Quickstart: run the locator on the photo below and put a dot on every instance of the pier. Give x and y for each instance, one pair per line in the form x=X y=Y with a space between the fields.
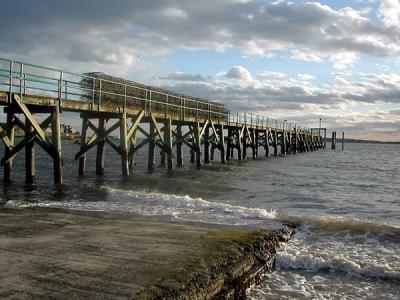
x=167 y=121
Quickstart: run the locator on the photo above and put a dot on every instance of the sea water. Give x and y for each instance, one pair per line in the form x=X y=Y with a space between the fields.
x=345 y=204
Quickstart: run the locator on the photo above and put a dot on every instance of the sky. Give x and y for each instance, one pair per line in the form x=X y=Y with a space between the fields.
x=294 y=60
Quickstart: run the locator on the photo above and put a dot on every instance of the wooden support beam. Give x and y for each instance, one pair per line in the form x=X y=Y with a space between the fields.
x=82 y=158
x=152 y=145
x=244 y=142
x=239 y=144
x=283 y=143
x=275 y=135
x=99 y=136
x=101 y=147
x=31 y=137
x=266 y=142
x=343 y=140
x=17 y=101
x=222 y=144
x=30 y=172
x=56 y=142
x=168 y=144
x=197 y=144
x=229 y=145
x=206 y=133
x=123 y=135
x=135 y=124
x=9 y=143
x=254 y=143
x=133 y=142
x=333 y=142
x=179 y=138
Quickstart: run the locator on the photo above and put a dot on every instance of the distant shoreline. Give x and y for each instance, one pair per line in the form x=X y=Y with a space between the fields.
x=339 y=140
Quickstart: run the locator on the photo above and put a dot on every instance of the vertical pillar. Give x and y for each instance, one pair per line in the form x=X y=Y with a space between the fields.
x=325 y=138
x=197 y=144
x=275 y=143
x=56 y=141
x=29 y=155
x=152 y=146
x=222 y=144
x=333 y=142
x=229 y=145
x=168 y=144
x=254 y=144
x=343 y=140
x=132 y=143
x=82 y=159
x=206 y=145
x=283 y=143
x=244 y=143
x=179 y=156
x=100 y=149
x=162 y=156
x=124 y=145
x=295 y=140
x=266 y=142
x=239 y=144
x=10 y=134
x=192 y=158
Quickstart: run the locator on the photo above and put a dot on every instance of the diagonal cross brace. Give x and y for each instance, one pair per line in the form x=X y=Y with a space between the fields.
x=30 y=137
x=96 y=138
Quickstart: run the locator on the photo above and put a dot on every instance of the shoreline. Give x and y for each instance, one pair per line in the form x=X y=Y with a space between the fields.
x=63 y=254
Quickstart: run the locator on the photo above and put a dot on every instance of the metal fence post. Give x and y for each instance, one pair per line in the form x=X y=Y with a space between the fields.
x=10 y=87
x=21 y=75
x=124 y=98
x=98 y=106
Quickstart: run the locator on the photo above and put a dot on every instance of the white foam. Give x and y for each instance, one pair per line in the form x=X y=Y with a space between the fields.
x=367 y=257
x=178 y=206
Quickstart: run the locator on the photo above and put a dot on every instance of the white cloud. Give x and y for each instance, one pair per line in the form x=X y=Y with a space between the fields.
x=306 y=54
x=174 y=12
x=305 y=77
x=240 y=73
x=390 y=12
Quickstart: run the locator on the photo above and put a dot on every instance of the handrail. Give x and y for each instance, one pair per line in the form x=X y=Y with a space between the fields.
x=69 y=86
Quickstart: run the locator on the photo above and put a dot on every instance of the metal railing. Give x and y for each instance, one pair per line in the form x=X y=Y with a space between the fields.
x=24 y=78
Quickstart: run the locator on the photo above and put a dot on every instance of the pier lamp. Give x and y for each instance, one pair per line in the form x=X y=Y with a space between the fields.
x=319 y=129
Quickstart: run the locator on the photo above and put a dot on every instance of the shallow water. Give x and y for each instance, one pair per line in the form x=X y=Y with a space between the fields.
x=346 y=205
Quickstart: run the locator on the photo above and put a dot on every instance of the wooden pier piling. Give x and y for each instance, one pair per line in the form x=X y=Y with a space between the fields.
x=179 y=154
x=10 y=135
x=100 y=159
x=30 y=171
x=56 y=141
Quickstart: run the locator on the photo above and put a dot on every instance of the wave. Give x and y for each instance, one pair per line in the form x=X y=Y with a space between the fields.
x=154 y=203
x=311 y=263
